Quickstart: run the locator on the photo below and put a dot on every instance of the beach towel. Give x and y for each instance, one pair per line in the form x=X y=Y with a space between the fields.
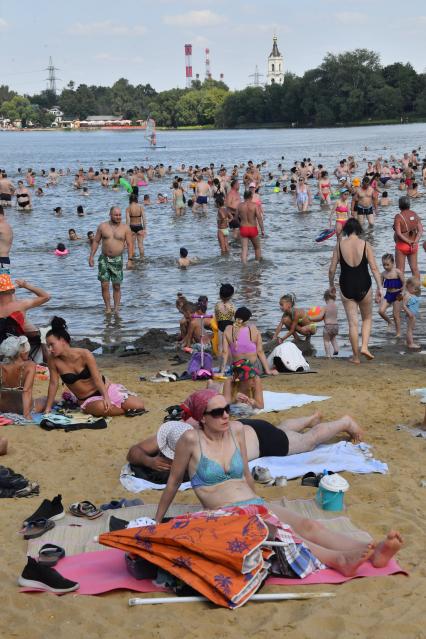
x=100 y=572
x=420 y=392
x=284 y=401
x=355 y=458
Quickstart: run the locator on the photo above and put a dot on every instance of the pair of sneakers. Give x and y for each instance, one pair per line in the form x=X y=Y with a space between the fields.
x=263 y=476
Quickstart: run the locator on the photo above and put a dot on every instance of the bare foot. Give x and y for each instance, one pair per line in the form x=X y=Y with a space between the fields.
x=386 y=549
x=3 y=446
x=349 y=561
x=354 y=429
x=414 y=346
x=354 y=360
x=367 y=354
x=397 y=334
x=315 y=418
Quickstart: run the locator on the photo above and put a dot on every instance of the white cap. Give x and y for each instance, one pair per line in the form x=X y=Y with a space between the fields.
x=335 y=483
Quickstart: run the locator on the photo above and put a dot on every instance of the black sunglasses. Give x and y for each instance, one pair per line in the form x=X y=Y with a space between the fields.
x=218 y=412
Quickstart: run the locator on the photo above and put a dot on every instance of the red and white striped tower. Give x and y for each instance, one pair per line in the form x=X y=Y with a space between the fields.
x=188 y=65
x=208 y=72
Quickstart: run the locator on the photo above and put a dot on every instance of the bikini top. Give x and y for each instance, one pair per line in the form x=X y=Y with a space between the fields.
x=72 y=378
x=209 y=472
x=395 y=283
x=243 y=343
x=342 y=208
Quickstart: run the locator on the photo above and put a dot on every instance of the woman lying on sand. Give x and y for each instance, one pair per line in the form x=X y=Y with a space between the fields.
x=215 y=457
x=79 y=372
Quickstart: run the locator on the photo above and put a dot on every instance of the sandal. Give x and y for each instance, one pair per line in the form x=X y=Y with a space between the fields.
x=37 y=528
x=50 y=554
x=134 y=412
x=311 y=479
x=85 y=509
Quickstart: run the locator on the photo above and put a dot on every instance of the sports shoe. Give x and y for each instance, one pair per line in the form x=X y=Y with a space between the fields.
x=42 y=577
x=52 y=510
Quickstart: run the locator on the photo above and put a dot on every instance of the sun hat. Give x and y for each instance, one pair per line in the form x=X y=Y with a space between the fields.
x=344 y=191
x=6 y=283
x=356 y=181
x=12 y=346
x=342 y=179
x=168 y=436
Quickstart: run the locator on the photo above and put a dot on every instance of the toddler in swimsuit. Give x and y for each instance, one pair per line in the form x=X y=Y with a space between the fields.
x=296 y=320
x=393 y=282
x=411 y=305
x=331 y=327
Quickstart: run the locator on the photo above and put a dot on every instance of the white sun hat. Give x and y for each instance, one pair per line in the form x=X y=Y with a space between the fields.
x=168 y=436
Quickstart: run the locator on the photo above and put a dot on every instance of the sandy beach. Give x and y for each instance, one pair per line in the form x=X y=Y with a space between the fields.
x=86 y=465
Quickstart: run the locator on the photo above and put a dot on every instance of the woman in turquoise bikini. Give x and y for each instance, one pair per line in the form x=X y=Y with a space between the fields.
x=216 y=460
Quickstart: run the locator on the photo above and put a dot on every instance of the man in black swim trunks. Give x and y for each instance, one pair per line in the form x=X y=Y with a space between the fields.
x=6 y=239
x=364 y=202
x=151 y=459
x=6 y=190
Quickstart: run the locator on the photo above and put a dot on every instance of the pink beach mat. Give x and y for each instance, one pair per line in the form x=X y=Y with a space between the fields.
x=99 y=572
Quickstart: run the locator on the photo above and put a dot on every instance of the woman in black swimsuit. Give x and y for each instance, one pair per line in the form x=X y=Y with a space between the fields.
x=355 y=256
x=79 y=372
x=23 y=198
x=135 y=218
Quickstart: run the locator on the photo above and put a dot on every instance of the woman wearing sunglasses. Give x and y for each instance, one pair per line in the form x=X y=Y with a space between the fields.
x=215 y=457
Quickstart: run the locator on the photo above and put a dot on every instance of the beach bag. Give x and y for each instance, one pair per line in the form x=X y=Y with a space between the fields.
x=201 y=366
x=287 y=357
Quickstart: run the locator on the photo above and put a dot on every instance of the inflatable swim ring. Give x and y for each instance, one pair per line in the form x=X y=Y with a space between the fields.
x=58 y=252
x=142 y=183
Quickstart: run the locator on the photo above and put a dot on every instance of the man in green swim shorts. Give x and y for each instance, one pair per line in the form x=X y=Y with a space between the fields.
x=115 y=236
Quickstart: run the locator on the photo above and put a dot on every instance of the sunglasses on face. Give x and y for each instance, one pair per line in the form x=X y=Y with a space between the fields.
x=218 y=412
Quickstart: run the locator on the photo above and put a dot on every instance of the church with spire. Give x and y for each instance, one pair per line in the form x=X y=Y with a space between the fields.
x=275 y=74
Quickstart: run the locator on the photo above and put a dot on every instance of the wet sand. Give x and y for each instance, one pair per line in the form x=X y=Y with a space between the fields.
x=86 y=465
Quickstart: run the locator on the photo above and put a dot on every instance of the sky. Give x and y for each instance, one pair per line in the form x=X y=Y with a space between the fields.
x=99 y=42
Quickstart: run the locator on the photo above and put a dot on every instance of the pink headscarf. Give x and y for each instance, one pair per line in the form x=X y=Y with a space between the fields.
x=195 y=405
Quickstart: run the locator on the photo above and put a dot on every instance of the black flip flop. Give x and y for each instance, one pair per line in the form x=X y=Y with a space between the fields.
x=37 y=528
x=311 y=479
x=50 y=554
x=134 y=412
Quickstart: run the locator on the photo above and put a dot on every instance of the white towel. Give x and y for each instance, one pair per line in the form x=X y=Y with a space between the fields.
x=336 y=457
x=283 y=401
x=421 y=392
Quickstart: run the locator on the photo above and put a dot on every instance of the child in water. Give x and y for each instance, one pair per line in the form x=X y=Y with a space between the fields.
x=411 y=304
x=331 y=327
x=393 y=282
x=184 y=260
x=296 y=320
x=61 y=249
x=224 y=311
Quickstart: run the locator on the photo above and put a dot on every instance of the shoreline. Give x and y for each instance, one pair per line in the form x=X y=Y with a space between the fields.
x=210 y=127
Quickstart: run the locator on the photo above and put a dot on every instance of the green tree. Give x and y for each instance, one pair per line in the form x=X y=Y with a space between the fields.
x=19 y=108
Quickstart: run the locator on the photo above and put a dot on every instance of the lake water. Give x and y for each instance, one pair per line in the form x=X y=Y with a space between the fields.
x=292 y=260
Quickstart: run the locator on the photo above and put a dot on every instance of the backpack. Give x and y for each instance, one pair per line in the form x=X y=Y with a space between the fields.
x=287 y=357
x=200 y=366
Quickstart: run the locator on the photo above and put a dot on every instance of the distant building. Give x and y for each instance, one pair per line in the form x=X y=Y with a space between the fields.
x=275 y=74
x=103 y=120
x=58 y=115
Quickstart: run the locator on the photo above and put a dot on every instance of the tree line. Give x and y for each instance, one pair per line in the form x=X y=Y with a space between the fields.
x=346 y=88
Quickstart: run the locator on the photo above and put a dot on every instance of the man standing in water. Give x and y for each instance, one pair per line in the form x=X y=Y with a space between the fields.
x=364 y=202
x=6 y=190
x=114 y=236
x=6 y=239
x=250 y=217
x=202 y=191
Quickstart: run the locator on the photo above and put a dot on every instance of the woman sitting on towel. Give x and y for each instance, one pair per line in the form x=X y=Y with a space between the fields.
x=17 y=374
x=215 y=457
x=243 y=343
x=79 y=372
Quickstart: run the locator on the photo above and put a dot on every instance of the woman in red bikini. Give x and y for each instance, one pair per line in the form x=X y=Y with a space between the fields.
x=408 y=231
